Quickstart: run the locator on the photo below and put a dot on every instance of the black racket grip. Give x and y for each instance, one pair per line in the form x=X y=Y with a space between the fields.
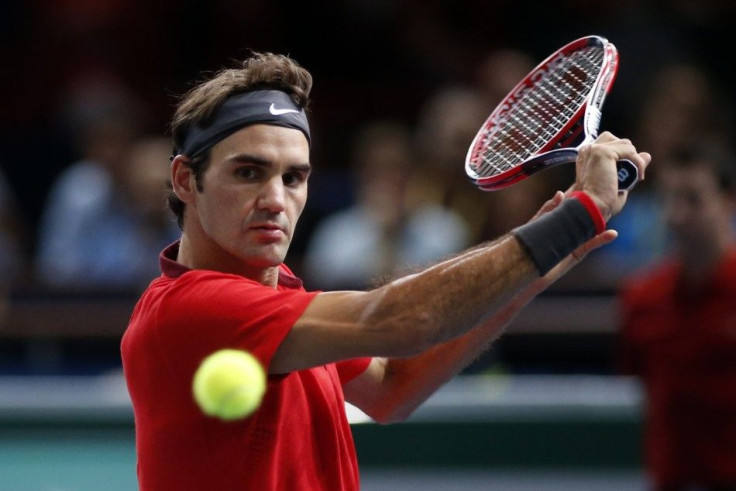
x=628 y=174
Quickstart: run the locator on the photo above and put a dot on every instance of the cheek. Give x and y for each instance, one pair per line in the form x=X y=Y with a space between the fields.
x=223 y=211
x=298 y=202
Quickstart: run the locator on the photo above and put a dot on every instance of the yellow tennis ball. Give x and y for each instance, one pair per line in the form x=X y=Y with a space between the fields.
x=229 y=384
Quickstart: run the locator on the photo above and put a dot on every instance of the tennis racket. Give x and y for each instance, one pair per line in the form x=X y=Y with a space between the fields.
x=545 y=119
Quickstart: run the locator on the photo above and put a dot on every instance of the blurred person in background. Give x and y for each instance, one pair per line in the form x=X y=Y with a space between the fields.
x=383 y=229
x=77 y=234
x=679 y=327
x=499 y=72
x=104 y=216
x=447 y=123
x=680 y=103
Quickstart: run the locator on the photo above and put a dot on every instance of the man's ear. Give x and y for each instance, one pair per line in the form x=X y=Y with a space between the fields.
x=182 y=178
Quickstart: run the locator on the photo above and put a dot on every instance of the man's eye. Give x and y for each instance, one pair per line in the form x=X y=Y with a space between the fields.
x=294 y=178
x=247 y=172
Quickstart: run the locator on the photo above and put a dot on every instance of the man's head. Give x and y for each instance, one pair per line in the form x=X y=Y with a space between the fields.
x=239 y=179
x=198 y=108
x=698 y=185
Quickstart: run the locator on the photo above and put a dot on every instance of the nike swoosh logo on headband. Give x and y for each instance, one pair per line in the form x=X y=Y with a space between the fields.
x=278 y=112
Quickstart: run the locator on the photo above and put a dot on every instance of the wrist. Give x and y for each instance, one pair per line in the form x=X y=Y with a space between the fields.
x=593 y=207
x=552 y=236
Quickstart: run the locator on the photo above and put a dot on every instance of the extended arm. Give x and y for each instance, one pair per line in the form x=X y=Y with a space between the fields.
x=413 y=314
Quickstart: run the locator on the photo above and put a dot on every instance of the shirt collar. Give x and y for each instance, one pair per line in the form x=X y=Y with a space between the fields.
x=173 y=269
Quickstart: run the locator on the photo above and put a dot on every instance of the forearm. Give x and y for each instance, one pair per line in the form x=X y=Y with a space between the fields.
x=408 y=382
x=451 y=298
x=457 y=295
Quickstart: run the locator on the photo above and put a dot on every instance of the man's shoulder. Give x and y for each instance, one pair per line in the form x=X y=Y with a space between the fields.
x=190 y=297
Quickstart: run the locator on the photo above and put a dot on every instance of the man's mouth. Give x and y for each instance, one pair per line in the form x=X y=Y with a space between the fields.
x=268 y=230
x=267 y=226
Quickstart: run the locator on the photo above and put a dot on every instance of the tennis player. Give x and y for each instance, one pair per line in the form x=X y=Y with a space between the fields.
x=239 y=177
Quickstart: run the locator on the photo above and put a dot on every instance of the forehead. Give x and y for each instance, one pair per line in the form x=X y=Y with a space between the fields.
x=270 y=142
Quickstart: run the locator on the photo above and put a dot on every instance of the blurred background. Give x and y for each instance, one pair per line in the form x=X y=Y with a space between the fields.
x=400 y=88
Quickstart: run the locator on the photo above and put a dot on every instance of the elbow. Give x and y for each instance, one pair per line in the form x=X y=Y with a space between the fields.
x=391 y=415
x=414 y=337
x=387 y=394
x=383 y=421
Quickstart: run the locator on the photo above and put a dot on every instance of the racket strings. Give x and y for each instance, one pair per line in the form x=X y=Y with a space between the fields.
x=541 y=113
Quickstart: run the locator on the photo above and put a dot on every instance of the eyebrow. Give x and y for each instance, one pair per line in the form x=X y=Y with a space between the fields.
x=246 y=158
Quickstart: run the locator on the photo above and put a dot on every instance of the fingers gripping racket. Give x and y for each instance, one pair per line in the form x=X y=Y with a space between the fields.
x=545 y=119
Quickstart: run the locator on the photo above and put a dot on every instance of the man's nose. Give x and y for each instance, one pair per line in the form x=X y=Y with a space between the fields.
x=272 y=195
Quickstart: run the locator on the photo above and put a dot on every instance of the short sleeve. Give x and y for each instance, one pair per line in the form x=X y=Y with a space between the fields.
x=349 y=369
x=205 y=311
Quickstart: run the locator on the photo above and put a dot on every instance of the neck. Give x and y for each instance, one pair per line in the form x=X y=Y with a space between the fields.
x=196 y=254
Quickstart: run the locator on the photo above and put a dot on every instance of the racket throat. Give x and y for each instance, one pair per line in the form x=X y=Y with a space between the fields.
x=529 y=167
x=573 y=137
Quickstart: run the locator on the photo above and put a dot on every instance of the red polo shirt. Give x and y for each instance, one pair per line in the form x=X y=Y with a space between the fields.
x=298 y=439
x=682 y=343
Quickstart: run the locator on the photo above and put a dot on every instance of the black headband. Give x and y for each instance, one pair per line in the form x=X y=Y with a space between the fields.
x=259 y=106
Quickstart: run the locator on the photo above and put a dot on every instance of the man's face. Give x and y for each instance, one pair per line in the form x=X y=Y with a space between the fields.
x=696 y=208
x=253 y=192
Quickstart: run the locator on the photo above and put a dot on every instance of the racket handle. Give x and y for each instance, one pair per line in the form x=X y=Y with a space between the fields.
x=628 y=174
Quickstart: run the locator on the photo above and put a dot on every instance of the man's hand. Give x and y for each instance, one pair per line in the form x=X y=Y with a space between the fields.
x=596 y=171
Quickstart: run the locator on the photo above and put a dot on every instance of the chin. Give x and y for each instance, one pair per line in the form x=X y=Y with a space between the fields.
x=268 y=260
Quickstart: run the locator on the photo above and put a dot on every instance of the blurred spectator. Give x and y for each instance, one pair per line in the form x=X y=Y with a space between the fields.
x=681 y=104
x=383 y=230
x=499 y=72
x=106 y=218
x=679 y=327
x=447 y=124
